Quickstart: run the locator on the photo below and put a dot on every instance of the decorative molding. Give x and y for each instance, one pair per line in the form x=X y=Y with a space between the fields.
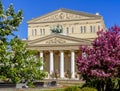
x=62 y=16
x=55 y=48
x=55 y=41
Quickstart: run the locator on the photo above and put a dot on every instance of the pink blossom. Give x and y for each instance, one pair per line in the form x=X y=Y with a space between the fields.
x=103 y=59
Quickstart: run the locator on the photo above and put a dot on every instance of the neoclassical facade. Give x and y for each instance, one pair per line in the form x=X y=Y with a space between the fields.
x=59 y=50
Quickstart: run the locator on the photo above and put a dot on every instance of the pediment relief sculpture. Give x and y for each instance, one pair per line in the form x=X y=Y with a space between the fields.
x=55 y=41
x=62 y=16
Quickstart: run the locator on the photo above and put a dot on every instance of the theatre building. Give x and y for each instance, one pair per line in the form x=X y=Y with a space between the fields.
x=58 y=35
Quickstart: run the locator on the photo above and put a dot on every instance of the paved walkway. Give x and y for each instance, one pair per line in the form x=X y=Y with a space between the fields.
x=60 y=84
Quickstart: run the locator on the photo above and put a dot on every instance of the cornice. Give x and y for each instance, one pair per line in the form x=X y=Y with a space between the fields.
x=58 y=36
x=65 y=20
x=61 y=45
x=66 y=11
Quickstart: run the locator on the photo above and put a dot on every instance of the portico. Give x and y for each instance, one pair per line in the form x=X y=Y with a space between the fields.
x=58 y=53
x=61 y=63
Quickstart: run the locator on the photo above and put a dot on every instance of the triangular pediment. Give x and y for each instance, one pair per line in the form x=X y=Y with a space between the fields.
x=57 y=39
x=63 y=15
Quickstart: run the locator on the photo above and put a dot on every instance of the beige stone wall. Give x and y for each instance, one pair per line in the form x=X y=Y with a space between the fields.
x=76 y=25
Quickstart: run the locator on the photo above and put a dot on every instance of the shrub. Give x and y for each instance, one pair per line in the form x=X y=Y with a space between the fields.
x=73 y=88
x=88 y=89
x=30 y=84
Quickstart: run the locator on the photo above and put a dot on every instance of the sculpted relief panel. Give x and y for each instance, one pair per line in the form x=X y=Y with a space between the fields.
x=55 y=41
x=62 y=16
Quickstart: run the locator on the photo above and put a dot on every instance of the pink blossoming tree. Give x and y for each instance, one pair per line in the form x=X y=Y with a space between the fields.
x=101 y=65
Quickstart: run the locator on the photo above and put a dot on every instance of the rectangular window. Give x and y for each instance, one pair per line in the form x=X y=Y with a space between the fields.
x=40 y=31
x=67 y=30
x=98 y=27
x=81 y=29
x=94 y=29
x=72 y=29
x=91 y=29
x=35 y=32
x=84 y=29
x=43 y=31
x=32 y=32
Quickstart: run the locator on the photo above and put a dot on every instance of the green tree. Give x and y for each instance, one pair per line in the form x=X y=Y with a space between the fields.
x=17 y=63
x=9 y=21
x=24 y=65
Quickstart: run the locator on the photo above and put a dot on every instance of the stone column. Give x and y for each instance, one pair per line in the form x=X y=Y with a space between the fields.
x=84 y=55
x=72 y=64
x=51 y=63
x=61 y=64
x=41 y=56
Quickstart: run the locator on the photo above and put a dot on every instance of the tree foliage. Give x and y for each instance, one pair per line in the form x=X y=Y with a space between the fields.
x=17 y=63
x=24 y=65
x=101 y=65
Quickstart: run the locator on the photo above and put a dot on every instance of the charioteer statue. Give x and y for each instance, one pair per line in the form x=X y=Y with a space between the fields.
x=57 y=29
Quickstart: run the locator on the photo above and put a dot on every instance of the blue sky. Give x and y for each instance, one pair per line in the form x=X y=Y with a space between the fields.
x=109 y=9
